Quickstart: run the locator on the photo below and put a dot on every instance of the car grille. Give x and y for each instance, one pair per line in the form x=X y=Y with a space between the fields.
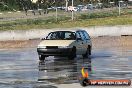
x=51 y=47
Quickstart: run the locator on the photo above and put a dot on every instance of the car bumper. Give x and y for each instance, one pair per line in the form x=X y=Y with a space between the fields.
x=55 y=52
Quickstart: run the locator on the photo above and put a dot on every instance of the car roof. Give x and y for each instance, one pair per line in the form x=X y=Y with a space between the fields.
x=69 y=30
x=63 y=31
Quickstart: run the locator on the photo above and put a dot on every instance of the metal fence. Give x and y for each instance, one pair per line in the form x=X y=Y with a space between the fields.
x=57 y=12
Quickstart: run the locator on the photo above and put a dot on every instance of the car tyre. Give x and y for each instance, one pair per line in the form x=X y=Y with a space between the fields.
x=88 y=52
x=41 y=57
x=73 y=53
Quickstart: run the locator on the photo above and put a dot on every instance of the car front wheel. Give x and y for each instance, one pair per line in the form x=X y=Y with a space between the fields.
x=88 y=52
x=41 y=57
x=73 y=53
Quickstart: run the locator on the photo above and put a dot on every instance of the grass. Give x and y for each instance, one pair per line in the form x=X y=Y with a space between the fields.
x=83 y=20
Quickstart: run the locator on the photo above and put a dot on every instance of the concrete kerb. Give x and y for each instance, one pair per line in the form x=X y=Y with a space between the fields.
x=39 y=33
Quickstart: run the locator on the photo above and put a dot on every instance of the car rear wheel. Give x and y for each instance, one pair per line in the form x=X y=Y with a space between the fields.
x=88 y=52
x=41 y=57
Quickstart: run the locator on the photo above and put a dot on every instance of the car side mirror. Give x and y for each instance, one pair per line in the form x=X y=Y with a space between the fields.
x=79 y=39
x=43 y=39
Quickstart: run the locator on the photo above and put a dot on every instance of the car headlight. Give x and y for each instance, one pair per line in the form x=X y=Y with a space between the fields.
x=41 y=46
x=63 y=47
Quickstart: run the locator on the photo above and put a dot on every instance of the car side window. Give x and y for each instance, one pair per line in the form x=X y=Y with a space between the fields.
x=82 y=36
x=78 y=35
x=87 y=35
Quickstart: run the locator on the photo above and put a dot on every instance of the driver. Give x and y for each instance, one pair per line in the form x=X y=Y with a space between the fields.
x=72 y=36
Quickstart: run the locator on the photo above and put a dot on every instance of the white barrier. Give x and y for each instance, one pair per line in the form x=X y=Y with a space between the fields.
x=39 y=33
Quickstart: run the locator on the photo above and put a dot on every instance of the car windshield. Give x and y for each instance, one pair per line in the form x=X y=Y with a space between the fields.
x=61 y=35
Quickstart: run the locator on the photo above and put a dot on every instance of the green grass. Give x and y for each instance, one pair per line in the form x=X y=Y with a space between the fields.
x=83 y=20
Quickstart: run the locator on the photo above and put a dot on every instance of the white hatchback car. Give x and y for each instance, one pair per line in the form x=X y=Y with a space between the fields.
x=65 y=43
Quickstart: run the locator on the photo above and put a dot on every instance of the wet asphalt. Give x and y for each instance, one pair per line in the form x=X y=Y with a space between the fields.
x=20 y=67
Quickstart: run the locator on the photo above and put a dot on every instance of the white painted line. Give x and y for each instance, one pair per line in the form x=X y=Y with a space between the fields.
x=40 y=9
x=18 y=11
x=9 y=12
x=30 y=10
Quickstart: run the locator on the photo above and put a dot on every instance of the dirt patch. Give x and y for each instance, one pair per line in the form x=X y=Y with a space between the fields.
x=120 y=42
x=18 y=44
x=124 y=42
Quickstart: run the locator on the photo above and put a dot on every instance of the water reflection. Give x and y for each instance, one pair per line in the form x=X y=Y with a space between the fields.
x=63 y=70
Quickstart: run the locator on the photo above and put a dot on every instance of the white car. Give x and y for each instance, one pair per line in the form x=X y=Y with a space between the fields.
x=71 y=8
x=65 y=43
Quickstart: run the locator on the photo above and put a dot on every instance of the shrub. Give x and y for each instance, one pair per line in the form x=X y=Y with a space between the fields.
x=98 y=15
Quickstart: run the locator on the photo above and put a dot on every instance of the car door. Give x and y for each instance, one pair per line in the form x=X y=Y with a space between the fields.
x=79 y=43
x=84 y=42
x=87 y=38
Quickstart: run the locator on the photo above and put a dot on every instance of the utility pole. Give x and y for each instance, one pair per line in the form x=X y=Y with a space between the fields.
x=66 y=5
x=120 y=7
x=56 y=14
x=56 y=11
x=72 y=10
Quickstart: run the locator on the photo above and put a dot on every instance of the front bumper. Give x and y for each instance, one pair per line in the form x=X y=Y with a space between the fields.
x=55 y=52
